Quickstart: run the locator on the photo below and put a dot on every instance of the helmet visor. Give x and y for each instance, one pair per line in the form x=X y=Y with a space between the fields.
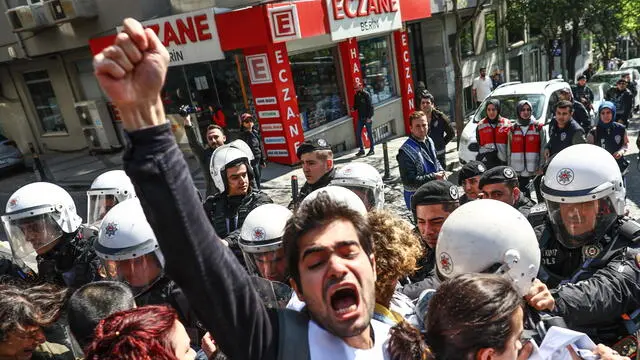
x=36 y=233
x=366 y=194
x=270 y=265
x=98 y=205
x=583 y=223
x=139 y=273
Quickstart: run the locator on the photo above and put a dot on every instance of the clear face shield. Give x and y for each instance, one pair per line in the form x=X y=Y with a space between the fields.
x=270 y=265
x=99 y=202
x=139 y=273
x=579 y=224
x=367 y=194
x=31 y=231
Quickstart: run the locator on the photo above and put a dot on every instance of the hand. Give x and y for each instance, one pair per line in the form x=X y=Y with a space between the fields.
x=440 y=175
x=539 y=297
x=617 y=155
x=526 y=351
x=131 y=72
x=225 y=242
x=263 y=165
x=187 y=120
x=208 y=345
x=607 y=353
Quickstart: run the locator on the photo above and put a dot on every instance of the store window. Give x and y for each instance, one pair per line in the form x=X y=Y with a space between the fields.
x=45 y=101
x=491 y=30
x=469 y=104
x=466 y=40
x=318 y=85
x=377 y=68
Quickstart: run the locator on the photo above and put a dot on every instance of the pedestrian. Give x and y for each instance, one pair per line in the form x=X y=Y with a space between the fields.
x=469 y=180
x=250 y=135
x=492 y=135
x=317 y=165
x=589 y=72
x=215 y=138
x=580 y=113
x=440 y=130
x=588 y=245
x=501 y=183
x=525 y=147
x=623 y=100
x=363 y=105
x=417 y=157
x=610 y=135
x=496 y=79
x=482 y=87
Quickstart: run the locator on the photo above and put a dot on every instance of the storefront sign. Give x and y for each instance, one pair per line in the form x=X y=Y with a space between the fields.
x=352 y=18
x=275 y=140
x=269 y=114
x=401 y=40
x=258 y=66
x=277 y=153
x=271 y=127
x=190 y=37
x=269 y=100
x=284 y=23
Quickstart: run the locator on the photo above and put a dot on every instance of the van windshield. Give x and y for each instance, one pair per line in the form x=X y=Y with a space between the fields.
x=508 y=105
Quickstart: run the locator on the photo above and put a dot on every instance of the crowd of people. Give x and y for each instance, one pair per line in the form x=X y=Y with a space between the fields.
x=157 y=272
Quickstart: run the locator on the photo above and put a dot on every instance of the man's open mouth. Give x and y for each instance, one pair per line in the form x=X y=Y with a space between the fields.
x=344 y=301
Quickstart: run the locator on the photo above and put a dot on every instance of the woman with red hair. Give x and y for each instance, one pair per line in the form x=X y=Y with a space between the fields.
x=148 y=332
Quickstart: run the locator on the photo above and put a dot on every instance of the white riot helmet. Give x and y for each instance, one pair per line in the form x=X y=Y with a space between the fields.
x=503 y=243
x=364 y=180
x=241 y=145
x=36 y=216
x=222 y=158
x=585 y=194
x=128 y=247
x=339 y=194
x=107 y=190
x=261 y=241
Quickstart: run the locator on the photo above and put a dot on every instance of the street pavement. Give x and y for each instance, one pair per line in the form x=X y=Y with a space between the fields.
x=75 y=172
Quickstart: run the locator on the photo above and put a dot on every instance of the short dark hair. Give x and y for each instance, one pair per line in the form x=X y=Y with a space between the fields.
x=316 y=214
x=565 y=104
x=22 y=306
x=427 y=95
x=471 y=312
x=94 y=302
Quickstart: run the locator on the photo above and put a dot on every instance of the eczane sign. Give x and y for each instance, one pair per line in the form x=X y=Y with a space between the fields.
x=190 y=37
x=353 y=18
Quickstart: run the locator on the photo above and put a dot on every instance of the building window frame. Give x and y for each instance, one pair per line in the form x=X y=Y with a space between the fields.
x=491 y=31
x=40 y=109
x=467 y=45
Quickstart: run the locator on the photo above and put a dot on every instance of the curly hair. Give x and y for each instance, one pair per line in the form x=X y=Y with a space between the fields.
x=406 y=343
x=22 y=306
x=142 y=333
x=397 y=252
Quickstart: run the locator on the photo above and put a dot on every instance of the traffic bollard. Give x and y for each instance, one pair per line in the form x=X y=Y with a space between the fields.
x=385 y=153
x=37 y=163
x=294 y=190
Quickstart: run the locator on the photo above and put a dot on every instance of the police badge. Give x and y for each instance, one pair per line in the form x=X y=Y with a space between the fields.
x=563 y=135
x=618 y=138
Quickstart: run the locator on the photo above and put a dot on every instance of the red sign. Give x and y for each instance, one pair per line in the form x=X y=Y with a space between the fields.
x=275 y=100
x=350 y=54
x=401 y=39
x=284 y=23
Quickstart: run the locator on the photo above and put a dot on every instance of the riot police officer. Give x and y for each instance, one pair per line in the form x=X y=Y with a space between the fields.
x=236 y=196
x=610 y=135
x=501 y=183
x=129 y=253
x=107 y=190
x=585 y=244
x=469 y=179
x=364 y=180
x=41 y=218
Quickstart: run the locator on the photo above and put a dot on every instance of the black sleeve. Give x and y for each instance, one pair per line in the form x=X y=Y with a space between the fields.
x=608 y=294
x=408 y=172
x=448 y=129
x=582 y=117
x=218 y=288
x=628 y=106
x=414 y=290
x=589 y=94
x=369 y=105
x=578 y=137
x=196 y=147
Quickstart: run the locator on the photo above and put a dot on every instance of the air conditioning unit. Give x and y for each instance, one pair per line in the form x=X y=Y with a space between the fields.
x=97 y=125
x=68 y=10
x=29 y=17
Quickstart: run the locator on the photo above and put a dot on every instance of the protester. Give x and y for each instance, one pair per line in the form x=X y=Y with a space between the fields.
x=148 y=332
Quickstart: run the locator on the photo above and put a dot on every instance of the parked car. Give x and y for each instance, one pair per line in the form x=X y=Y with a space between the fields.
x=599 y=90
x=612 y=77
x=631 y=63
x=542 y=96
x=10 y=156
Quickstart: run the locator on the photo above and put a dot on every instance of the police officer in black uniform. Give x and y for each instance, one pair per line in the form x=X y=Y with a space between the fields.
x=587 y=244
x=431 y=205
x=610 y=135
x=236 y=197
x=583 y=93
x=580 y=113
x=564 y=131
x=469 y=179
x=317 y=164
x=623 y=100
x=41 y=219
x=501 y=183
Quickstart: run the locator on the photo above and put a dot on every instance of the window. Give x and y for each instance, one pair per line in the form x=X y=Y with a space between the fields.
x=491 y=30
x=377 y=68
x=468 y=99
x=515 y=68
x=318 y=85
x=515 y=34
x=466 y=40
x=44 y=101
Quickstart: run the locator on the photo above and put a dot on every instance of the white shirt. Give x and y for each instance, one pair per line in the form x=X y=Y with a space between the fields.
x=483 y=87
x=295 y=303
x=326 y=346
